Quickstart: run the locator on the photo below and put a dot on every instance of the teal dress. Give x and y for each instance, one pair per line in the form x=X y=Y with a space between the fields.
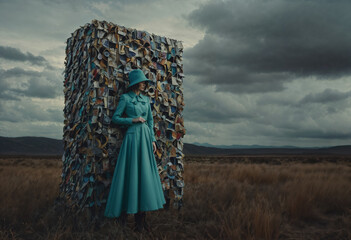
x=136 y=184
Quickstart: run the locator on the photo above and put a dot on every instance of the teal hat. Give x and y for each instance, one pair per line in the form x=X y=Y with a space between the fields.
x=136 y=76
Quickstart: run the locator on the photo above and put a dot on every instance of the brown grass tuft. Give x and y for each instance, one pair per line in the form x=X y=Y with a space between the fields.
x=222 y=201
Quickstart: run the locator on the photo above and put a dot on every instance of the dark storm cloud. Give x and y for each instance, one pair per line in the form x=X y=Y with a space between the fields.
x=328 y=95
x=39 y=88
x=14 y=54
x=214 y=112
x=18 y=82
x=29 y=111
x=319 y=134
x=202 y=105
x=256 y=46
x=77 y=2
x=17 y=72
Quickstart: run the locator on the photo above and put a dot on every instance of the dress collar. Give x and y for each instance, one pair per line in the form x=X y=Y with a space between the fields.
x=135 y=97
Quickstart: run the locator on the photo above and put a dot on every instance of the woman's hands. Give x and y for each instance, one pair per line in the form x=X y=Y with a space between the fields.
x=154 y=146
x=138 y=119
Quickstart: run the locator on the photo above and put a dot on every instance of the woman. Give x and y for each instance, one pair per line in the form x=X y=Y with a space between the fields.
x=136 y=185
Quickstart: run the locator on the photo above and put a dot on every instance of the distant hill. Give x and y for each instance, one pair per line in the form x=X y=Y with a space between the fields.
x=244 y=146
x=201 y=150
x=49 y=146
x=30 y=146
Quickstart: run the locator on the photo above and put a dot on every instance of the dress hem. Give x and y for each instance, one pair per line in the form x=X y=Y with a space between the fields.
x=141 y=210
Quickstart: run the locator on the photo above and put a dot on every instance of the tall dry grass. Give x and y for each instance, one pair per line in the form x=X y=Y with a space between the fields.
x=222 y=201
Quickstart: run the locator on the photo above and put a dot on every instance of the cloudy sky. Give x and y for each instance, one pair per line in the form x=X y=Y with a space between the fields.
x=256 y=71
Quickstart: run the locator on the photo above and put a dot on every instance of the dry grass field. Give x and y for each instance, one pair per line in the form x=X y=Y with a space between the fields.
x=269 y=197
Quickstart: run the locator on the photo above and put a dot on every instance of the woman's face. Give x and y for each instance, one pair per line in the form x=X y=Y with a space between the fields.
x=142 y=86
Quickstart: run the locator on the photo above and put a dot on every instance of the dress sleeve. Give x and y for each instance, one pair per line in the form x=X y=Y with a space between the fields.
x=117 y=116
x=150 y=122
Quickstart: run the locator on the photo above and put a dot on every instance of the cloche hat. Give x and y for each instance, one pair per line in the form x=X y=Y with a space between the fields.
x=136 y=76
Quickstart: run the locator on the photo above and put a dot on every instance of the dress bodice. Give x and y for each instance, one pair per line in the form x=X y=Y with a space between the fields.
x=137 y=105
x=134 y=106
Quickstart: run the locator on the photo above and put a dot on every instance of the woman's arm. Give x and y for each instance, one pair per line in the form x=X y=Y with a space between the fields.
x=117 y=116
x=150 y=122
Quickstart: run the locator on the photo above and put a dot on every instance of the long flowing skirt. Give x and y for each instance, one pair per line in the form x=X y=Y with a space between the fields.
x=136 y=184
